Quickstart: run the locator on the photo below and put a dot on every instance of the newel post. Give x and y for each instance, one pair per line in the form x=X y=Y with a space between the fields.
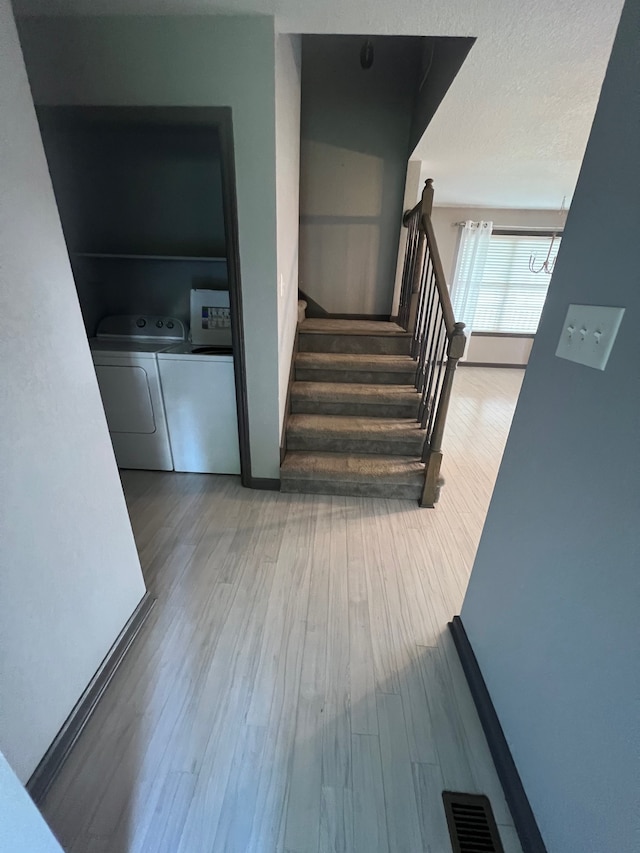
x=433 y=482
x=427 y=197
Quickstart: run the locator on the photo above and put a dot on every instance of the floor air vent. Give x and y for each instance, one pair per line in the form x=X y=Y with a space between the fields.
x=472 y=826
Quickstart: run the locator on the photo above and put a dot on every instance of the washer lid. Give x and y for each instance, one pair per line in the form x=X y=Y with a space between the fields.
x=186 y=349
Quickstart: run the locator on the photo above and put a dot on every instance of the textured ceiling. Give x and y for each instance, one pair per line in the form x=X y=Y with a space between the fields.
x=512 y=129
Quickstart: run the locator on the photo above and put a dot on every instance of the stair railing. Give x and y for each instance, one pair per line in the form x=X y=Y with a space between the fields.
x=437 y=341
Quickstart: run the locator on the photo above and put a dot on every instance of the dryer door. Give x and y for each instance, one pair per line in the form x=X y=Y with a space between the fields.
x=126 y=398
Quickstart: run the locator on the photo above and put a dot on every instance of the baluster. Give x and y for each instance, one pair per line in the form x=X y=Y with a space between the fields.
x=428 y=396
x=411 y=220
x=433 y=455
x=430 y=336
x=424 y=341
x=428 y=319
x=416 y=282
x=412 y=246
x=438 y=383
x=408 y=256
x=422 y=302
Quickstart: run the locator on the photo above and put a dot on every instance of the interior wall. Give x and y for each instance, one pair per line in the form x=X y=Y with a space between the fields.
x=440 y=62
x=287 y=74
x=22 y=826
x=486 y=349
x=412 y=191
x=191 y=61
x=142 y=287
x=160 y=193
x=495 y=350
x=552 y=604
x=135 y=187
x=355 y=144
x=70 y=571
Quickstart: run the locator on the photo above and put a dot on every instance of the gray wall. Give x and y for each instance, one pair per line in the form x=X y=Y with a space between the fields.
x=116 y=286
x=191 y=61
x=69 y=572
x=440 y=62
x=144 y=189
x=135 y=187
x=355 y=144
x=412 y=190
x=287 y=72
x=552 y=605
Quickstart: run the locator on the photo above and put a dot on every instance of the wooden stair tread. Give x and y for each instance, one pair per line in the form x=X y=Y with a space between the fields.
x=356 y=427
x=355 y=361
x=351 y=327
x=364 y=468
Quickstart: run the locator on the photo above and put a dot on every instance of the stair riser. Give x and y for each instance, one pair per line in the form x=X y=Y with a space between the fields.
x=366 y=490
x=366 y=377
x=366 y=410
x=322 y=444
x=354 y=344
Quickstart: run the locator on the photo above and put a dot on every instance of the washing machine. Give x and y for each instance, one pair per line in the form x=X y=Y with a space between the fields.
x=124 y=354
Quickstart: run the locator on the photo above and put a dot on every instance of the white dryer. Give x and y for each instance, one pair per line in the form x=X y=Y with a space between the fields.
x=124 y=356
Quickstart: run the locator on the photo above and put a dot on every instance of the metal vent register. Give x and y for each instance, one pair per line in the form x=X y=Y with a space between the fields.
x=472 y=826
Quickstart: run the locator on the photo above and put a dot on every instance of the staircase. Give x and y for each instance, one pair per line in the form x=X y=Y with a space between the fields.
x=369 y=401
x=353 y=427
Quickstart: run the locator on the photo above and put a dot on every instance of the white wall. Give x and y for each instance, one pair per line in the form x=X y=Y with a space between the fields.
x=287 y=75
x=191 y=61
x=495 y=350
x=552 y=605
x=486 y=349
x=22 y=829
x=69 y=572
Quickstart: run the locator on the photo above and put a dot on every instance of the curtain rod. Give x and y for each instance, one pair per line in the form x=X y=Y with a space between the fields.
x=541 y=229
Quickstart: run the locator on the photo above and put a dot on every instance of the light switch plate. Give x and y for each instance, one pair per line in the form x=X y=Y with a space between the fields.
x=588 y=334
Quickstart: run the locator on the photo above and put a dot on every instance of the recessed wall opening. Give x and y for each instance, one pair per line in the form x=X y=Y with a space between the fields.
x=147 y=203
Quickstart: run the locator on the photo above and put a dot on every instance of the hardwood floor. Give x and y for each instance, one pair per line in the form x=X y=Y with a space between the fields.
x=296 y=689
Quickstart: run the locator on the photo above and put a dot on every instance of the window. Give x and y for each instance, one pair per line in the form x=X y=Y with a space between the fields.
x=511 y=297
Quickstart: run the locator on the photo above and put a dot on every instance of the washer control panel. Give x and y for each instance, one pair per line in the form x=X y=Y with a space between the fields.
x=146 y=327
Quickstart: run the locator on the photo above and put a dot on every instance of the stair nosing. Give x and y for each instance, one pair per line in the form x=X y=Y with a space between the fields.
x=302 y=389
x=408 y=472
x=411 y=424
x=354 y=334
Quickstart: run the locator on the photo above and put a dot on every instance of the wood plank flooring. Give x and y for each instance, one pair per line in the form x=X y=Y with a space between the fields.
x=295 y=689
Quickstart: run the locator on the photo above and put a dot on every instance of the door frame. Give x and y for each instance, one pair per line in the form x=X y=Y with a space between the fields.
x=220 y=119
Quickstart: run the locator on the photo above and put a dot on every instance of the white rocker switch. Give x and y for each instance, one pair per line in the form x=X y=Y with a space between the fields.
x=588 y=334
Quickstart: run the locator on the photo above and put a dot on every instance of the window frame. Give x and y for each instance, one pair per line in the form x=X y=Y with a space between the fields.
x=514 y=231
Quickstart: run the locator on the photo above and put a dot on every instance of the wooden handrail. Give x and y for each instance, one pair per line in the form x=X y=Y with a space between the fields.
x=443 y=290
x=438 y=342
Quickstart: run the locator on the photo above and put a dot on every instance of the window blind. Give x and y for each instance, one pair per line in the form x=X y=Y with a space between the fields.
x=511 y=296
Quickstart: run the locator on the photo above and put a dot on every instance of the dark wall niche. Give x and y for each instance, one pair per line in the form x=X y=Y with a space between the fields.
x=140 y=200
